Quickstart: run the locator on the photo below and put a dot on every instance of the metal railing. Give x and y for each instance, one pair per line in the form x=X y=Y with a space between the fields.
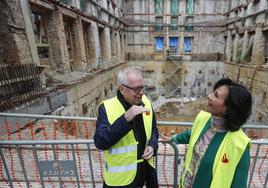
x=259 y=145
x=57 y=170
x=69 y=161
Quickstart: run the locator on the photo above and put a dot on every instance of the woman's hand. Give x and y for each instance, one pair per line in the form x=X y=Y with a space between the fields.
x=165 y=138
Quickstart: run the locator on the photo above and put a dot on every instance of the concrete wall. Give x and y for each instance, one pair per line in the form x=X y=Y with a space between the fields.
x=199 y=77
x=14 y=46
x=255 y=79
x=70 y=34
x=205 y=40
x=196 y=79
x=91 y=92
x=246 y=37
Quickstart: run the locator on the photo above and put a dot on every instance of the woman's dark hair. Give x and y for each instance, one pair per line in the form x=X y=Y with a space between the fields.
x=238 y=104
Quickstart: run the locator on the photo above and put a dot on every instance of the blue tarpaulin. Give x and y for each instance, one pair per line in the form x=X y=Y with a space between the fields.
x=159 y=43
x=173 y=43
x=187 y=44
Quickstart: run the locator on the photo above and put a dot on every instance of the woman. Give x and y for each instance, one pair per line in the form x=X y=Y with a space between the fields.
x=218 y=151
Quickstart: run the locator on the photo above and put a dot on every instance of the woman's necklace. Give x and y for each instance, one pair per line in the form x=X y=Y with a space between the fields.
x=217 y=124
x=213 y=128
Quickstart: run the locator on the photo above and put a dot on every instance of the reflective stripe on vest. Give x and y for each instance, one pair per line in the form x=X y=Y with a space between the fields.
x=121 y=168
x=234 y=143
x=121 y=159
x=123 y=149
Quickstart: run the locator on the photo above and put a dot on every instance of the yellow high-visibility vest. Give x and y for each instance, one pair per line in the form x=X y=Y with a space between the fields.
x=227 y=157
x=121 y=159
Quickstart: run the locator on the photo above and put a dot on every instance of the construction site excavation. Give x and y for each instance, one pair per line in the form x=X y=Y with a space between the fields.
x=59 y=62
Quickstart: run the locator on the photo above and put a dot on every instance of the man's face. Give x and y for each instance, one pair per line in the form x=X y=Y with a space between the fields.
x=133 y=90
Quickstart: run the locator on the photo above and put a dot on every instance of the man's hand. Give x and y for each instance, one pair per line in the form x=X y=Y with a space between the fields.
x=148 y=153
x=133 y=111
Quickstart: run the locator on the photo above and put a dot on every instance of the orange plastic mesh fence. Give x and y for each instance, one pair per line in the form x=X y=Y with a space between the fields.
x=88 y=161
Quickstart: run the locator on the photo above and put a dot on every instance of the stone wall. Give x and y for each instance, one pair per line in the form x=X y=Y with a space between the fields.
x=14 y=46
x=254 y=78
x=85 y=97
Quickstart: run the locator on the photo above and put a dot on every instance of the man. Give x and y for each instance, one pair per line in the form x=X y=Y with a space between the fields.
x=126 y=131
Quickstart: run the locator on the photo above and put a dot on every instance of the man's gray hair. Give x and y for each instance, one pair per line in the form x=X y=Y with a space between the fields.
x=122 y=77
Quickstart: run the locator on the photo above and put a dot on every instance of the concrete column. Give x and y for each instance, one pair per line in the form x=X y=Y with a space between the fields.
x=79 y=45
x=29 y=30
x=242 y=12
x=110 y=8
x=113 y=44
x=94 y=44
x=166 y=8
x=245 y=46
x=123 y=52
x=181 y=48
x=107 y=46
x=228 y=50
x=58 y=53
x=119 y=47
x=258 y=49
x=236 y=45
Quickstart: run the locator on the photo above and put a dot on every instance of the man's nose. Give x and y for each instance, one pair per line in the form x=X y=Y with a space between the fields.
x=141 y=92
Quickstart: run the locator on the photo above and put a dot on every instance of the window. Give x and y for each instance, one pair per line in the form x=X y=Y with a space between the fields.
x=83 y=5
x=69 y=2
x=159 y=23
x=99 y=12
x=108 y=5
x=174 y=24
x=173 y=45
x=253 y=19
x=189 y=24
x=174 y=6
x=159 y=7
x=187 y=44
x=229 y=6
x=159 y=44
x=266 y=46
x=190 y=7
x=39 y=28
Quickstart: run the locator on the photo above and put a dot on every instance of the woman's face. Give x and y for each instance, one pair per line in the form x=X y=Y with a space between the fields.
x=216 y=101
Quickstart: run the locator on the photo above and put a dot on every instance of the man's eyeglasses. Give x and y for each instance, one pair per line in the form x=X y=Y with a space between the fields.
x=137 y=90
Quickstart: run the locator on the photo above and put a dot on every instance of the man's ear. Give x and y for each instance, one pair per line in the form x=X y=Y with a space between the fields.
x=121 y=89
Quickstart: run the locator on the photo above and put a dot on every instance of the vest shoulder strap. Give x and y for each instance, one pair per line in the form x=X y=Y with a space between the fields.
x=227 y=158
